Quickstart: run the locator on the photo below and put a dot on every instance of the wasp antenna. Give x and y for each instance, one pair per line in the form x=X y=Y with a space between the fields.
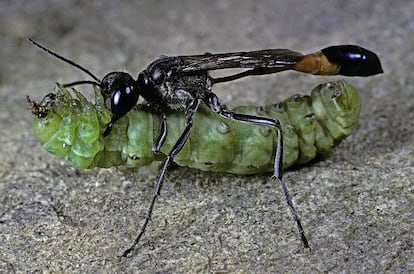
x=81 y=83
x=64 y=60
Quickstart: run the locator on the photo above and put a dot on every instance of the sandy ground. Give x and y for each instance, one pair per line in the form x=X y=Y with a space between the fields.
x=356 y=205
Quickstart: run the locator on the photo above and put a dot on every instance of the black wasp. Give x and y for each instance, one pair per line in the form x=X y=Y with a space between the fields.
x=183 y=82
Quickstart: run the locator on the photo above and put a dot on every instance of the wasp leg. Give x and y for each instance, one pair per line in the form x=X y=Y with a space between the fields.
x=214 y=104
x=162 y=135
x=190 y=110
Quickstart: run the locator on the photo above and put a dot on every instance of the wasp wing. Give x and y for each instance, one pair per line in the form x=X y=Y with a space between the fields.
x=266 y=59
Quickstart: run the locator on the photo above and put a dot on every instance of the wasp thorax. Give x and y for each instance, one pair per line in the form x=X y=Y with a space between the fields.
x=157 y=76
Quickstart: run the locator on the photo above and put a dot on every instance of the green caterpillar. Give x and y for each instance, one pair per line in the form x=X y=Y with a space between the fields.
x=69 y=126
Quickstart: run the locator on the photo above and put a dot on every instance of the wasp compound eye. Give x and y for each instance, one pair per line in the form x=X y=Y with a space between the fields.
x=121 y=94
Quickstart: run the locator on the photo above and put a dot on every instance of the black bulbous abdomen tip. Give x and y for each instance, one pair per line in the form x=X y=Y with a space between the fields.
x=353 y=60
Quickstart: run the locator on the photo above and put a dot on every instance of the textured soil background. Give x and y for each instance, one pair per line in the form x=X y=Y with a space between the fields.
x=356 y=205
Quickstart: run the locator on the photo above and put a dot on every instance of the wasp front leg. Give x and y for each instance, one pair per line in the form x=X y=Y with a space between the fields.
x=162 y=136
x=191 y=108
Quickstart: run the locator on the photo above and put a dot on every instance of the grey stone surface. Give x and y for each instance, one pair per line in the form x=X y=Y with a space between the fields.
x=356 y=205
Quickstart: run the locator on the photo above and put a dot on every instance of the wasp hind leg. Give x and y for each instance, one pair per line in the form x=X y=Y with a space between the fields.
x=214 y=104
